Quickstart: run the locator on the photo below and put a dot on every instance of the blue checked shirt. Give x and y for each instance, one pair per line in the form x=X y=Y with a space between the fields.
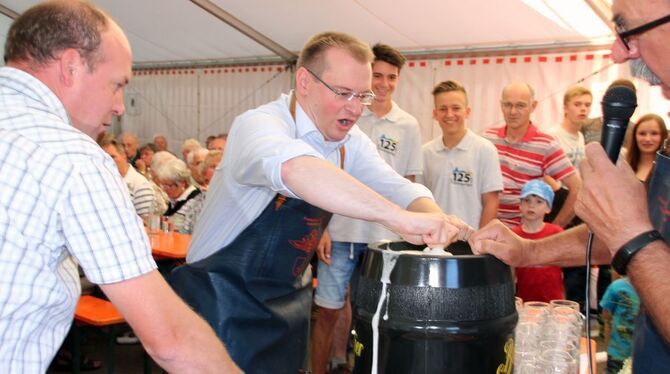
x=62 y=202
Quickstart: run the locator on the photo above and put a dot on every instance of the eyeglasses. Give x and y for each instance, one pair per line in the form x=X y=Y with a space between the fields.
x=365 y=98
x=167 y=185
x=624 y=35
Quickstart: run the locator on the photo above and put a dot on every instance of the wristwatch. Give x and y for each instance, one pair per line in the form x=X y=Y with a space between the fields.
x=626 y=253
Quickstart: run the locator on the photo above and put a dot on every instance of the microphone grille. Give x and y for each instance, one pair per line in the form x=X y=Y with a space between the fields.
x=618 y=102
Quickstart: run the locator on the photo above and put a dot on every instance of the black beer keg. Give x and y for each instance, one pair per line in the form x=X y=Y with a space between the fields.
x=451 y=314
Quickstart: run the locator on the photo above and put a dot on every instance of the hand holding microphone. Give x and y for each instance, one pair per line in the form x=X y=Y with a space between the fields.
x=612 y=200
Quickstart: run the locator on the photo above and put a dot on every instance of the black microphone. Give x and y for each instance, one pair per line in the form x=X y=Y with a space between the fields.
x=618 y=105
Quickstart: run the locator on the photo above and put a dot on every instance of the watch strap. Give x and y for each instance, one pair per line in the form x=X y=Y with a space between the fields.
x=628 y=250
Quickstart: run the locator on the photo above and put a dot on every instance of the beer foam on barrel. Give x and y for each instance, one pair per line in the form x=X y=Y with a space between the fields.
x=390 y=257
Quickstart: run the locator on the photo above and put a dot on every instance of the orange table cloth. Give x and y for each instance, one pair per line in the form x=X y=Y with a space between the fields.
x=170 y=244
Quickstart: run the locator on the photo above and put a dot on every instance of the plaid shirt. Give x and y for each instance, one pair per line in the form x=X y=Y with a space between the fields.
x=62 y=202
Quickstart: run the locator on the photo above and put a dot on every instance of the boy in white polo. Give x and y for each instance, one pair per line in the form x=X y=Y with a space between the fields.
x=461 y=168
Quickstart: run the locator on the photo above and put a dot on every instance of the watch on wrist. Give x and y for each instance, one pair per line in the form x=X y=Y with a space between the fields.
x=628 y=250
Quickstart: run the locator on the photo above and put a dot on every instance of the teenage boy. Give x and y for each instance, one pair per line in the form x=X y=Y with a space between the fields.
x=461 y=168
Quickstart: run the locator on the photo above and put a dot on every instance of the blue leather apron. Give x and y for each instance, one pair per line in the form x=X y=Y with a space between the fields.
x=650 y=352
x=252 y=291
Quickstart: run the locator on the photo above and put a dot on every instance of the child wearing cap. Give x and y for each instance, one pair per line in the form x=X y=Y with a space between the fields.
x=538 y=283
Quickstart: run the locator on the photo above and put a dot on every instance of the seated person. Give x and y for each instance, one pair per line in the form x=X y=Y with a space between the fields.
x=143 y=164
x=188 y=146
x=195 y=160
x=140 y=189
x=210 y=165
x=175 y=179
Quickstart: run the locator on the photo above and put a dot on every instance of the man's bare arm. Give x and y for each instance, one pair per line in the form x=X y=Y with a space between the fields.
x=573 y=183
x=175 y=337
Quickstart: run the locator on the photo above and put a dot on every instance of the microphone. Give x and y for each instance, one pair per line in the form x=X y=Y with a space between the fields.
x=618 y=105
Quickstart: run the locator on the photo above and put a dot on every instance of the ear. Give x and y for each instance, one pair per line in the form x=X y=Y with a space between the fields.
x=467 y=112
x=302 y=80
x=435 y=114
x=70 y=65
x=533 y=105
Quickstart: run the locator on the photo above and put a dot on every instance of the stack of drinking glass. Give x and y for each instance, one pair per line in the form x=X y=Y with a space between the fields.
x=547 y=337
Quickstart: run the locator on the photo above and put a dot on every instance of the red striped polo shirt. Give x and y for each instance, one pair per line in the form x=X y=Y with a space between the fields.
x=535 y=155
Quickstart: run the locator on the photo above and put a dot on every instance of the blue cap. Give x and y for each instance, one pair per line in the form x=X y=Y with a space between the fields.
x=540 y=189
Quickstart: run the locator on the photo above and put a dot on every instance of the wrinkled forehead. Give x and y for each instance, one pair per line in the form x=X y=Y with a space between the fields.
x=630 y=12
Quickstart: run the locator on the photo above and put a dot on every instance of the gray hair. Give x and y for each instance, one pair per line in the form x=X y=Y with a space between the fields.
x=200 y=152
x=190 y=144
x=173 y=170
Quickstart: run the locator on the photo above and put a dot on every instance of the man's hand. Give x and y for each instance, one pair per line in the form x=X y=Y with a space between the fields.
x=612 y=201
x=497 y=239
x=433 y=229
x=324 y=247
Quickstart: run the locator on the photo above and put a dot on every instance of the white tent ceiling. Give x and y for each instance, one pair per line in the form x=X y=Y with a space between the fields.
x=179 y=32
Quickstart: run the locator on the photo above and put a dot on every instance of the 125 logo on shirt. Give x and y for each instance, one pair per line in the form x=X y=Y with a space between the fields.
x=388 y=144
x=460 y=176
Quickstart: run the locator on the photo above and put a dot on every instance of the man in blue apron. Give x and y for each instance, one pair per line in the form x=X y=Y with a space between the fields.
x=631 y=234
x=288 y=163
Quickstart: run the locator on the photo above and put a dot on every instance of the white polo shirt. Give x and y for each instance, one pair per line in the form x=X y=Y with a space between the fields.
x=458 y=177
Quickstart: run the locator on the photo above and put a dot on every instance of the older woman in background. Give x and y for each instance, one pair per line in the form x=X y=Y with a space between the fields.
x=649 y=132
x=175 y=179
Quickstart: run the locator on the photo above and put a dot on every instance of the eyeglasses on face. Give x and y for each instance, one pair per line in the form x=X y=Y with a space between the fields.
x=624 y=35
x=365 y=98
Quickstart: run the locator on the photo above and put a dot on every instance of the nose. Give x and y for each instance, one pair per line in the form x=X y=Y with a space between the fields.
x=619 y=52
x=355 y=107
x=118 y=106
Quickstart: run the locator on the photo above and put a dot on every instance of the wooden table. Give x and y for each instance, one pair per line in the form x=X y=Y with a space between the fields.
x=170 y=244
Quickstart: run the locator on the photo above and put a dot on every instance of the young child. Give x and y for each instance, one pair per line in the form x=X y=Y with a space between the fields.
x=538 y=283
x=621 y=305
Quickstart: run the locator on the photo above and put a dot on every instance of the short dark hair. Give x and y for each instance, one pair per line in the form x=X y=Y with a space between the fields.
x=41 y=32
x=450 y=86
x=623 y=82
x=389 y=55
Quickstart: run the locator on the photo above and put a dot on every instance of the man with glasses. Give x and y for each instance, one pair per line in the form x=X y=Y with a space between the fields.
x=288 y=163
x=526 y=153
x=397 y=137
x=628 y=232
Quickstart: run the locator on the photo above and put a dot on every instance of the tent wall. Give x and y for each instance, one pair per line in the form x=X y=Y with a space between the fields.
x=185 y=103
x=196 y=103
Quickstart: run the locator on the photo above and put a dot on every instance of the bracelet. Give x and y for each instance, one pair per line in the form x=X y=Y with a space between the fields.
x=628 y=250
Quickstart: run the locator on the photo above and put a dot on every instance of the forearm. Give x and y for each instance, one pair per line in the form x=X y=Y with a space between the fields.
x=324 y=185
x=567 y=212
x=567 y=248
x=175 y=337
x=646 y=271
x=490 y=202
x=195 y=348
x=573 y=183
x=424 y=205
